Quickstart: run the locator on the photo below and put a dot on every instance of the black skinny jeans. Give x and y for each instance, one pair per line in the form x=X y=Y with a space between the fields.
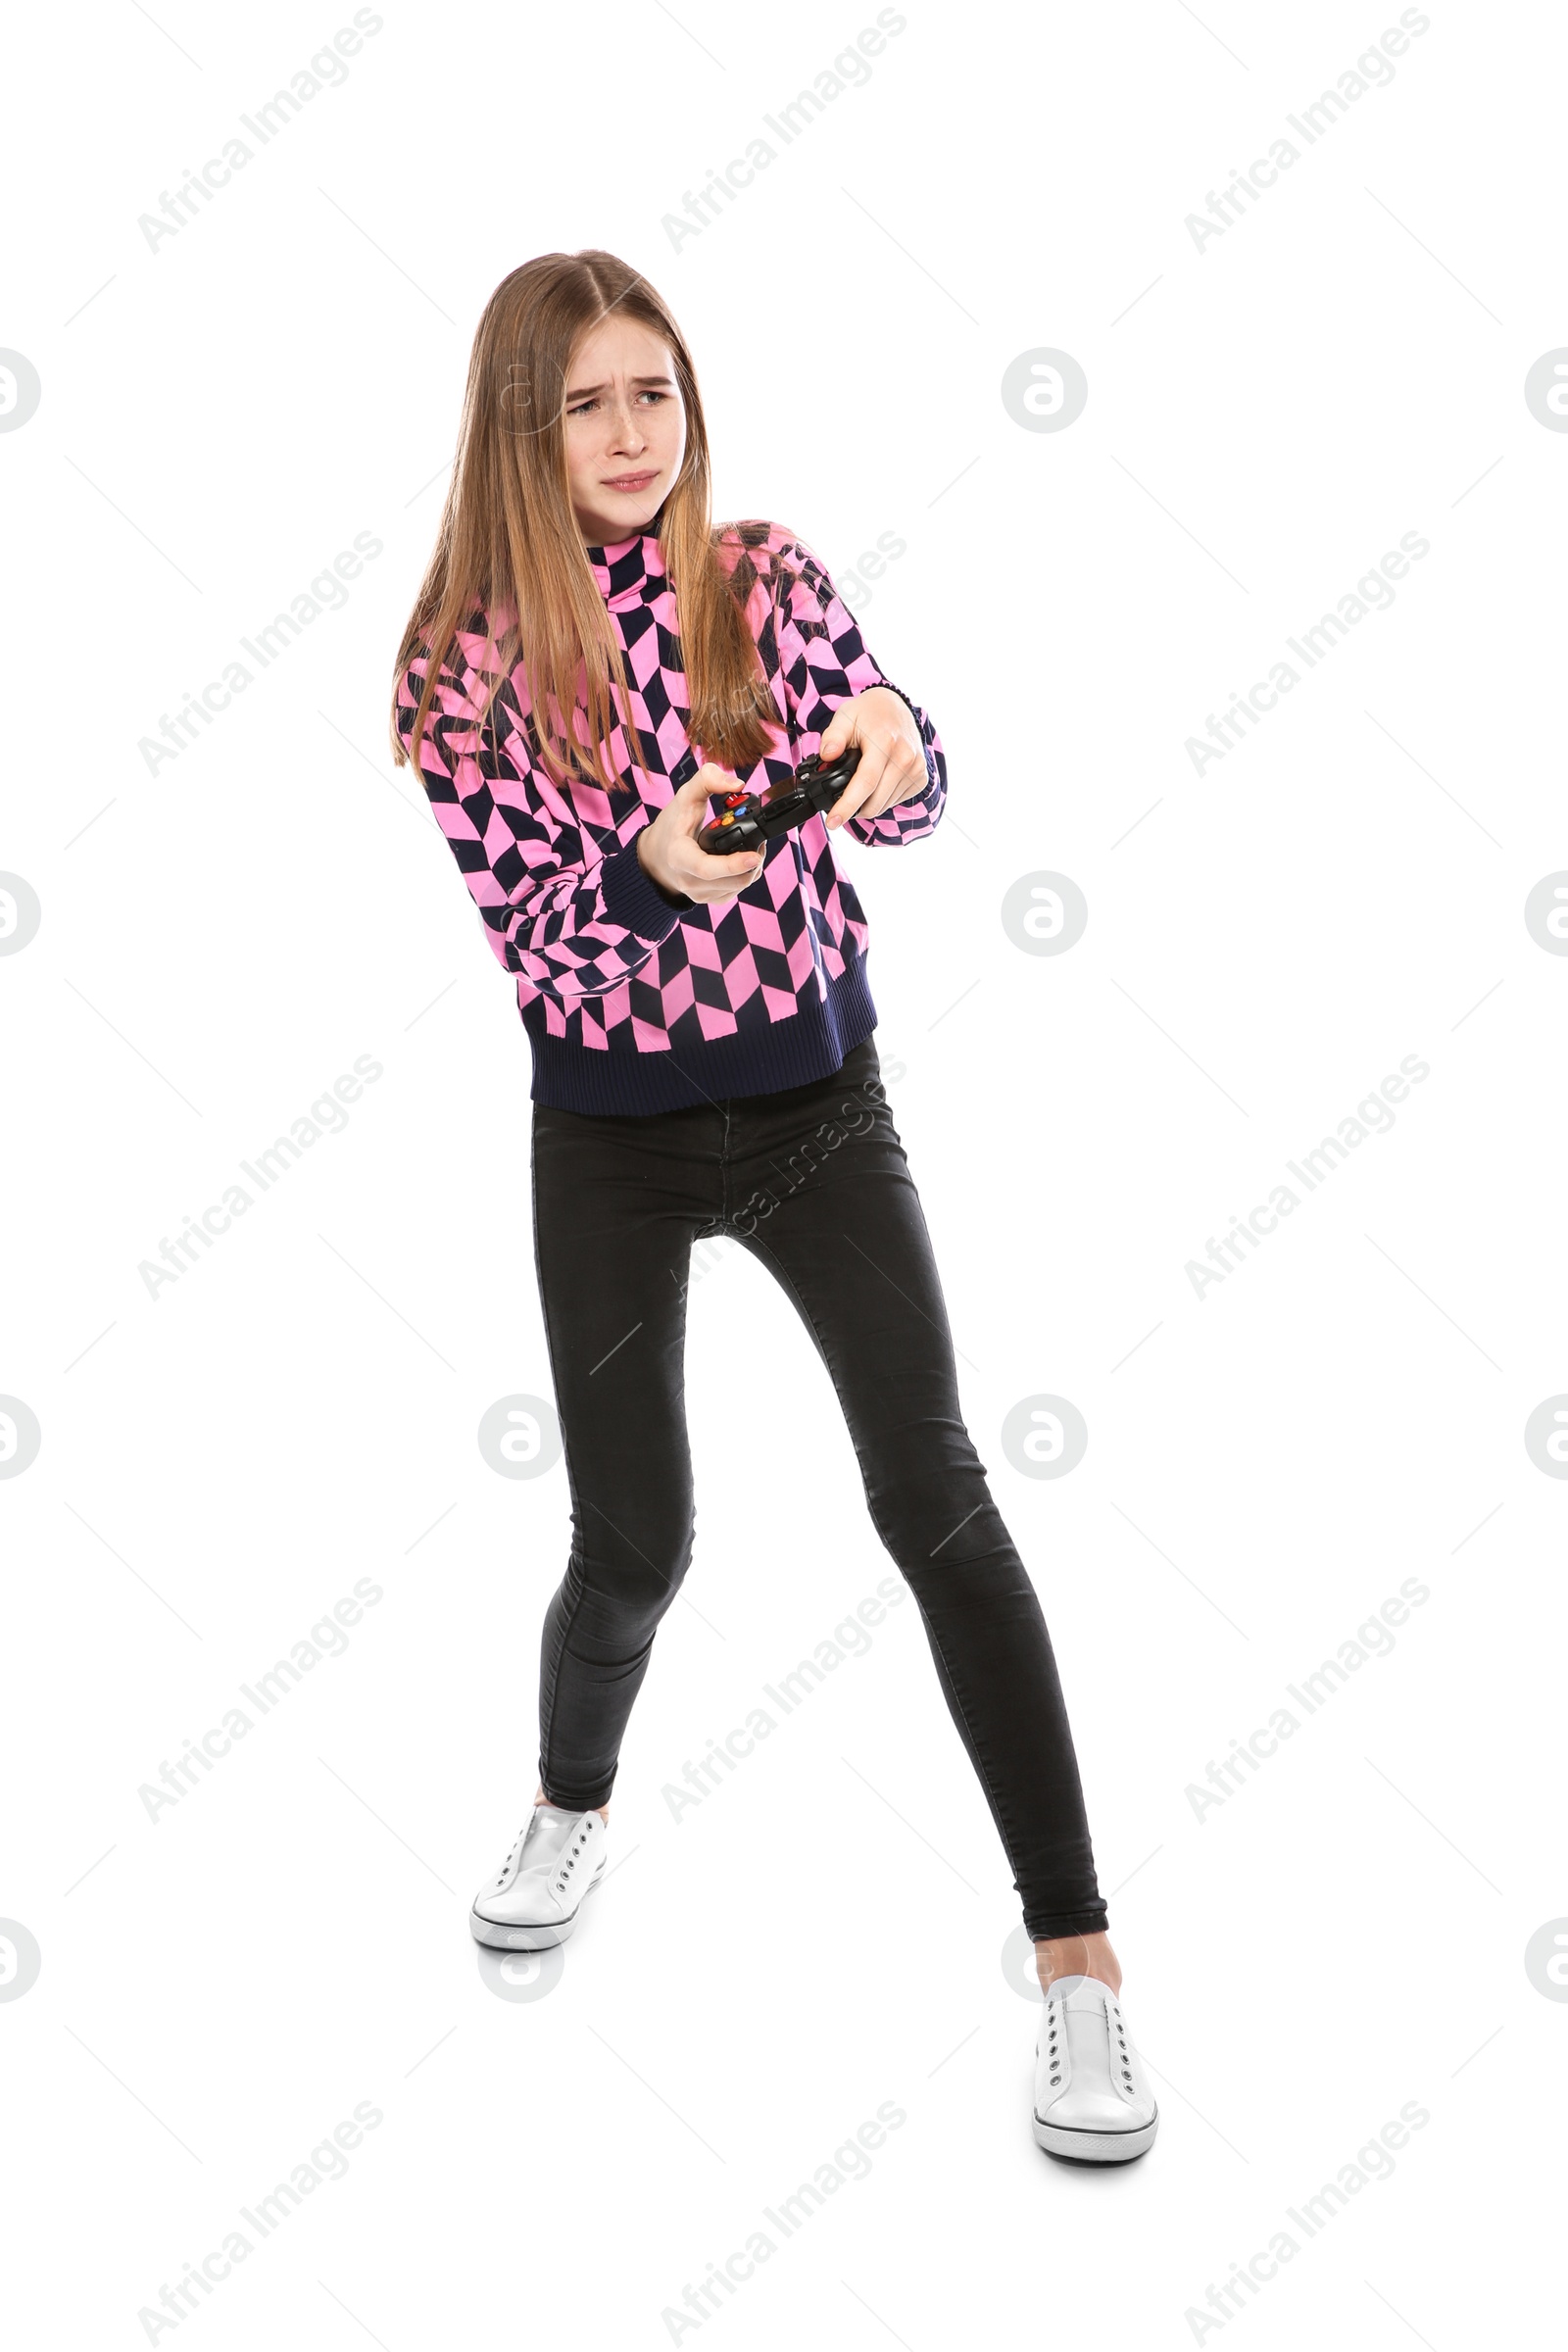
x=814 y=1181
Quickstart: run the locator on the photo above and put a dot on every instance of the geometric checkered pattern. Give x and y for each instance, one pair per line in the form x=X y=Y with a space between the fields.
x=604 y=961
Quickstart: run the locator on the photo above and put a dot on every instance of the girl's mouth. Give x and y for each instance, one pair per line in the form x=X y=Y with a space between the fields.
x=632 y=481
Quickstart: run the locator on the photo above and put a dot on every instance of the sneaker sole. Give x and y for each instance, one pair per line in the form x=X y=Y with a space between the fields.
x=1072 y=2144
x=542 y=1939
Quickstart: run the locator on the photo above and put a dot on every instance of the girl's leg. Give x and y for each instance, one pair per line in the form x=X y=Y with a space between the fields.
x=1076 y=1956
x=615 y=1203
x=822 y=1194
x=540 y=1799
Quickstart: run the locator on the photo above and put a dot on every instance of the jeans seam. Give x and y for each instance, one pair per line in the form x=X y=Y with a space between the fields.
x=723 y=1171
x=1002 y=1812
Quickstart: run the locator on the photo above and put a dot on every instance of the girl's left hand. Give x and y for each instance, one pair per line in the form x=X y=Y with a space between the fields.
x=892 y=755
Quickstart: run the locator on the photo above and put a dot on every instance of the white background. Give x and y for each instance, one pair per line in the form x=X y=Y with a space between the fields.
x=220 y=939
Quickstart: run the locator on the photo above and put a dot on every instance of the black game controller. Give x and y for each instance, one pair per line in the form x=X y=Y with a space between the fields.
x=750 y=822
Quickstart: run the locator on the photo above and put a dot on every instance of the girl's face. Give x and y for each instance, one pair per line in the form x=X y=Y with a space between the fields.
x=625 y=429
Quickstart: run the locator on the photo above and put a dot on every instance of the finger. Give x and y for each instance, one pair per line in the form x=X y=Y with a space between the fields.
x=864 y=782
x=906 y=777
x=721 y=889
x=701 y=870
x=847 y=805
x=690 y=810
x=838 y=735
x=691 y=800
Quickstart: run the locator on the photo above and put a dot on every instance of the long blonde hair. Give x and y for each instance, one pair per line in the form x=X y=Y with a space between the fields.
x=510 y=546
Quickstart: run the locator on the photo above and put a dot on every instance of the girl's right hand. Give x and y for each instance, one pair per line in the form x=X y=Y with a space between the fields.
x=668 y=848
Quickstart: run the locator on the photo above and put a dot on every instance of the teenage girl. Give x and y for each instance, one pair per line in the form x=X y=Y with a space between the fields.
x=587 y=661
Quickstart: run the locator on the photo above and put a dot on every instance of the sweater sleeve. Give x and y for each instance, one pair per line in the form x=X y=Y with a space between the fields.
x=571 y=915
x=826 y=662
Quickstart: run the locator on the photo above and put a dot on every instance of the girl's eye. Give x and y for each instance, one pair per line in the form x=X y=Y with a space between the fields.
x=583 y=405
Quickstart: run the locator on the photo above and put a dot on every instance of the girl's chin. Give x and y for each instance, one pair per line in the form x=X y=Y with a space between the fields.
x=634 y=515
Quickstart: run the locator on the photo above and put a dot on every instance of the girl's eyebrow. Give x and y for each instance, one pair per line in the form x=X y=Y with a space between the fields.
x=587 y=391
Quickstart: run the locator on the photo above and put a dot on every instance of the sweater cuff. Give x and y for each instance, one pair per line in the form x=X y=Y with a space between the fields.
x=919 y=718
x=634 y=898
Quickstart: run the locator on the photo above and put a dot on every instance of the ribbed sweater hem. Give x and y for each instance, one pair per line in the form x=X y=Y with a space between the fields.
x=620 y=1081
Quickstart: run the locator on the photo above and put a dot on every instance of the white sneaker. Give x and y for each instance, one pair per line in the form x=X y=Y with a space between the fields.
x=534 y=1901
x=1093 y=2103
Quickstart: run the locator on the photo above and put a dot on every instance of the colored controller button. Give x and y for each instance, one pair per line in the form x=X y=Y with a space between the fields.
x=726 y=820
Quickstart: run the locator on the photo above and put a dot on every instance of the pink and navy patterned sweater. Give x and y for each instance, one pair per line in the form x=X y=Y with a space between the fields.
x=634 y=999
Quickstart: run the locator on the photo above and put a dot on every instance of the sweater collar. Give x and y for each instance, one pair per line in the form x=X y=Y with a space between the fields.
x=629 y=572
